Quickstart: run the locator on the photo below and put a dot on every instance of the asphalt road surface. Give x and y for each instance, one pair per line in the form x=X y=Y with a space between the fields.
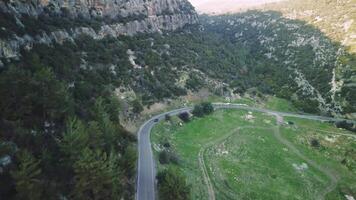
x=146 y=174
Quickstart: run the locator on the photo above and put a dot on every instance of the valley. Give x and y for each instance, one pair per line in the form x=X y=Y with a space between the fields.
x=114 y=99
x=247 y=154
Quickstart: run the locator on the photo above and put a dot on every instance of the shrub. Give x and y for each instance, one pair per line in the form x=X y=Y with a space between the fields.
x=208 y=108
x=167 y=117
x=184 y=116
x=167 y=144
x=137 y=106
x=172 y=184
x=163 y=157
x=198 y=111
x=203 y=109
x=345 y=125
x=166 y=157
x=315 y=143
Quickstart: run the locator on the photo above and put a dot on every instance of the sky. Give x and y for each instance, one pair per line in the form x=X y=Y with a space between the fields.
x=222 y=6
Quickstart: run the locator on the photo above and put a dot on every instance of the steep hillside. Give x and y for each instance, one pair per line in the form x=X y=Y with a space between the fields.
x=317 y=71
x=62 y=64
x=337 y=19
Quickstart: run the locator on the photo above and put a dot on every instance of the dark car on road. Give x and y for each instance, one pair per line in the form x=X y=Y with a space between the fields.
x=156 y=120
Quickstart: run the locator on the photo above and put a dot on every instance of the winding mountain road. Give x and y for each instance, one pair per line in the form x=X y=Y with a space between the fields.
x=146 y=174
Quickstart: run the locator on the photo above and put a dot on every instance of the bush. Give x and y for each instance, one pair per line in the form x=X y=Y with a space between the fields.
x=166 y=157
x=172 y=184
x=184 y=116
x=345 y=125
x=137 y=106
x=167 y=117
x=315 y=143
x=203 y=109
x=198 y=111
x=163 y=157
x=290 y=123
x=167 y=144
x=208 y=108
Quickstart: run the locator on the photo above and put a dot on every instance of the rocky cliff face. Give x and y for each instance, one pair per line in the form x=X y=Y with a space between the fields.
x=98 y=8
x=115 y=17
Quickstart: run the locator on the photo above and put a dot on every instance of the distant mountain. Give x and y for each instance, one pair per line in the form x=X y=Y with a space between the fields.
x=337 y=19
x=227 y=6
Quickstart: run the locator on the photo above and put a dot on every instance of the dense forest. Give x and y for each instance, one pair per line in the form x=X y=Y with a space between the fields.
x=60 y=131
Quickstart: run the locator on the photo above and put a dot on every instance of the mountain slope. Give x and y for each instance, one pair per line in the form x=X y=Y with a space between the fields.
x=337 y=19
x=310 y=59
x=61 y=65
x=226 y=6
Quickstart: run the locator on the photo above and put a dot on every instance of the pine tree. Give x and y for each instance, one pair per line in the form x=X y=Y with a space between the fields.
x=172 y=185
x=129 y=158
x=74 y=140
x=93 y=176
x=137 y=106
x=27 y=177
x=109 y=131
x=115 y=175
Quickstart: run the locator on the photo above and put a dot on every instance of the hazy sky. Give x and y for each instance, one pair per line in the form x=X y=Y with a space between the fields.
x=219 y=6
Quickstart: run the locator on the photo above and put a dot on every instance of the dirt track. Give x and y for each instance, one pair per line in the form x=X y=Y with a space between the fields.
x=334 y=178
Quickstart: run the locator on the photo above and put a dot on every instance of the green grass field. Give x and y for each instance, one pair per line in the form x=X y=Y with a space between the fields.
x=279 y=104
x=245 y=160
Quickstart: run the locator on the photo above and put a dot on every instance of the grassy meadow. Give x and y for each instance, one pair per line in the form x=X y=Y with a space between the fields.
x=244 y=158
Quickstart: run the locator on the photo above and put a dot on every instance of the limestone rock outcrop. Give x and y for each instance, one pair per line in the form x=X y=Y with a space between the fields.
x=140 y=16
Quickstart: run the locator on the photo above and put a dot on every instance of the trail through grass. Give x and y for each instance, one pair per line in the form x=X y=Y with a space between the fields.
x=245 y=157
